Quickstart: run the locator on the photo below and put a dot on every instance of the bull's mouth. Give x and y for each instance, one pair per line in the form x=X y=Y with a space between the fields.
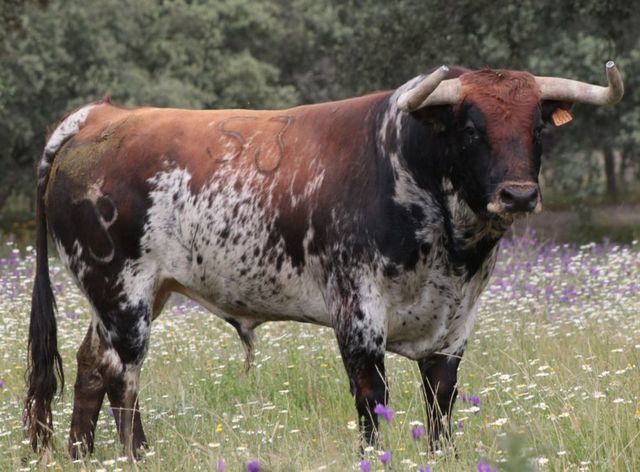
x=515 y=200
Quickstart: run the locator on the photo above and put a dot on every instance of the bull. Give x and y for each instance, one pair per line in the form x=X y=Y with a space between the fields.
x=378 y=216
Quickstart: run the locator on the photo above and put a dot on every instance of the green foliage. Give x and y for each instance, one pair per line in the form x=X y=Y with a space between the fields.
x=58 y=55
x=173 y=53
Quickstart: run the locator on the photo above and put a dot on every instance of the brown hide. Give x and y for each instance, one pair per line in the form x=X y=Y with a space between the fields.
x=119 y=149
x=508 y=100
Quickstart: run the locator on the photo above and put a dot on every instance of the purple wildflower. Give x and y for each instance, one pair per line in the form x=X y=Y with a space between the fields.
x=365 y=466
x=568 y=294
x=418 y=432
x=221 y=465
x=253 y=466
x=385 y=457
x=548 y=292
x=1 y=383
x=474 y=400
x=425 y=469
x=384 y=412
x=485 y=467
x=460 y=425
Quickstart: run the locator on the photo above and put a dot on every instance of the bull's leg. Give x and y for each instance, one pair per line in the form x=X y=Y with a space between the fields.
x=123 y=396
x=130 y=345
x=440 y=378
x=112 y=368
x=361 y=339
x=89 y=392
x=368 y=385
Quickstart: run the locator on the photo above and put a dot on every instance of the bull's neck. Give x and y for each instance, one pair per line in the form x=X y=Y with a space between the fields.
x=419 y=157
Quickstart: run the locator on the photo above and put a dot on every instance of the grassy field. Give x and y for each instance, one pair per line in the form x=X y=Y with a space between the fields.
x=553 y=361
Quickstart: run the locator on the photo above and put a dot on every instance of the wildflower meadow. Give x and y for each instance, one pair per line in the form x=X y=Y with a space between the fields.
x=549 y=381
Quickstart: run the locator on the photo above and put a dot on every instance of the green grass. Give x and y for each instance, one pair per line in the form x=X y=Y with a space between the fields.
x=558 y=384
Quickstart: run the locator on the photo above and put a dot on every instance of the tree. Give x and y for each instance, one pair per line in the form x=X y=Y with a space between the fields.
x=58 y=55
x=172 y=53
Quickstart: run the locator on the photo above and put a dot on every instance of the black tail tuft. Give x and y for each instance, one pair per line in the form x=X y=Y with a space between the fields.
x=44 y=371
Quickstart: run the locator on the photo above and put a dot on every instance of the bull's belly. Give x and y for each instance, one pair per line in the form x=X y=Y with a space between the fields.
x=250 y=293
x=414 y=333
x=247 y=292
x=255 y=297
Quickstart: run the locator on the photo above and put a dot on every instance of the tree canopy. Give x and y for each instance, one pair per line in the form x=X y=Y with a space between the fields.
x=59 y=54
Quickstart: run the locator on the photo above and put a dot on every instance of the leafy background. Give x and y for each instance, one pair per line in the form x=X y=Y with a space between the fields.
x=56 y=55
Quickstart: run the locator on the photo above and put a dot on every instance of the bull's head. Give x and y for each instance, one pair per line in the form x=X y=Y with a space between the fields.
x=494 y=120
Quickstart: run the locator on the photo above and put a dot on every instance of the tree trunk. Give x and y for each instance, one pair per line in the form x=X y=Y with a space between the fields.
x=588 y=157
x=5 y=189
x=622 y=167
x=610 y=172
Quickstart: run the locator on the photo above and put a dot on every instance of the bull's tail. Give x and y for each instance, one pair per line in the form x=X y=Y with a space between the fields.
x=44 y=374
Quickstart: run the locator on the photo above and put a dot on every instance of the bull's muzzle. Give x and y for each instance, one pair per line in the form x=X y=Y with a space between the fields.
x=513 y=198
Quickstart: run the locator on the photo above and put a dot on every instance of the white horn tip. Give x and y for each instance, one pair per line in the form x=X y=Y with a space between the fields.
x=446 y=68
x=610 y=65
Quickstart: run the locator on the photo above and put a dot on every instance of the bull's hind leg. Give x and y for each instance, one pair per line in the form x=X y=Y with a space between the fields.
x=129 y=330
x=89 y=393
x=123 y=396
x=109 y=361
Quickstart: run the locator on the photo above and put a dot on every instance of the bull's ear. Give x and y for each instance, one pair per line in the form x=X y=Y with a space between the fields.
x=437 y=118
x=556 y=113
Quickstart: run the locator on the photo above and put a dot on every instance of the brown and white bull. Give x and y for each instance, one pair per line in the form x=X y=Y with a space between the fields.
x=378 y=216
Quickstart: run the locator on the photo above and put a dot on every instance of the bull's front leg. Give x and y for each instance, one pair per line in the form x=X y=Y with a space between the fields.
x=440 y=380
x=362 y=337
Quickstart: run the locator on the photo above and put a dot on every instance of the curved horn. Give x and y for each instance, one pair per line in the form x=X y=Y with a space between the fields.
x=433 y=90
x=566 y=90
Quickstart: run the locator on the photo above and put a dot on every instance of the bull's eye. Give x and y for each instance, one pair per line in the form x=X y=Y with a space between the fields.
x=470 y=130
x=537 y=132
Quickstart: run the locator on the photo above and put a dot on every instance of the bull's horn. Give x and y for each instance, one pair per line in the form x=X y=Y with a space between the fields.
x=566 y=90
x=433 y=90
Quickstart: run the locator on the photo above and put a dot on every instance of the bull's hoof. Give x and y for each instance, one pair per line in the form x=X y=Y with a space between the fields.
x=444 y=446
x=136 y=452
x=79 y=450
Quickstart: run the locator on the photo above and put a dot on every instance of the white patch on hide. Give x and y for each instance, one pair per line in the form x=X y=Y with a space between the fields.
x=213 y=243
x=65 y=130
x=111 y=360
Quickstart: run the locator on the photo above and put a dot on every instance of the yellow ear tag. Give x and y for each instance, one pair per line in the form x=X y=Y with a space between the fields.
x=561 y=117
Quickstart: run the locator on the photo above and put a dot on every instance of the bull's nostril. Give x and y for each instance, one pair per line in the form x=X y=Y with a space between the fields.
x=516 y=199
x=506 y=197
